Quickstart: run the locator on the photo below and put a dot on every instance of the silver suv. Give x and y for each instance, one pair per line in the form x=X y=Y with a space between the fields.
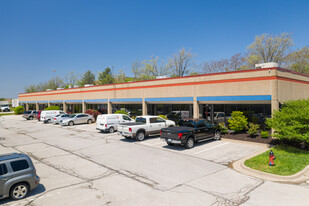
x=17 y=176
x=30 y=115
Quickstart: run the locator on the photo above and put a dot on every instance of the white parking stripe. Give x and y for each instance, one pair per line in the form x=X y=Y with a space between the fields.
x=211 y=148
x=145 y=143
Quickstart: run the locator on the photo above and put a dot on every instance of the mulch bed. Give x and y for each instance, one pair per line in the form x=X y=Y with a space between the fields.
x=246 y=137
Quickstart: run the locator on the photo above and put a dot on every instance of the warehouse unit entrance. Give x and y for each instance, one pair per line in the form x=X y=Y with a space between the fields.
x=256 y=113
x=42 y=106
x=74 y=108
x=60 y=105
x=133 y=110
x=173 y=112
x=102 y=108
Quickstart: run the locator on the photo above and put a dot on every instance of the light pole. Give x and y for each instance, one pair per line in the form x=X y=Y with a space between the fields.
x=54 y=73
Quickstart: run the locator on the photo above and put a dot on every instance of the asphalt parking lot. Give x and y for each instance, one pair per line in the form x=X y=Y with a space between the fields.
x=80 y=166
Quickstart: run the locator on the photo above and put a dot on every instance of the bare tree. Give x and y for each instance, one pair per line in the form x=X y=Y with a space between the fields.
x=299 y=60
x=136 y=67
x=180 y=63
x=71 y=78
x=224 y=65
x=120 y=76
x=269 y=48
x=159 y=67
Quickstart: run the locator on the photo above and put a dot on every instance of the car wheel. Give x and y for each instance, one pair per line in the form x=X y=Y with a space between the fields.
x=71 y=123
x=19 y=191
x=30 y=118
x=89 y=121
x=111 y=130
x=48 y=121
x=171 y=126
x=217 y=135
x=140 y=136
x=190 y=143
x=169 y=143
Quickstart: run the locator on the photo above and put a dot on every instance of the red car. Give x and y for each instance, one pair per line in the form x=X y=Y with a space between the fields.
x=39 y=115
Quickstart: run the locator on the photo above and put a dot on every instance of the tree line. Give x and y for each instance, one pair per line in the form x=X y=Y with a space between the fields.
x=265 y=48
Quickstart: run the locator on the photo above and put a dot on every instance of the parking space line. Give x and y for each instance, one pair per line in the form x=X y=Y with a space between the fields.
x=211 y=148
x=145 y=143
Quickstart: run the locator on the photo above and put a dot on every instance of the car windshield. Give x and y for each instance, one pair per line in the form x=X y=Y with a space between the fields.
x=73 y=115
x=140 y=119
x=66 y=115
x=58 y=115
x=27 y=112
x=186 y=123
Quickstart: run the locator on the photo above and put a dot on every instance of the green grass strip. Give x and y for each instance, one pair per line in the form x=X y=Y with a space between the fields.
x=289 y=161
x=7 y=114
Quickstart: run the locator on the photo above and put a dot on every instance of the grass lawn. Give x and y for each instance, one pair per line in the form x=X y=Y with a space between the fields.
x=7 y=114
x=289 y=160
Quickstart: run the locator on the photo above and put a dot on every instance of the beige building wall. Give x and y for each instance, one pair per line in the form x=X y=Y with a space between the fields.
x=280 y=84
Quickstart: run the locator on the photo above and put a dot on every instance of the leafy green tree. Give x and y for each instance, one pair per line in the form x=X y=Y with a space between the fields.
x=238 y=122
x=31 y=88
x=87 y=78
x=292 y=121
x=106 y=77
x=269 y=48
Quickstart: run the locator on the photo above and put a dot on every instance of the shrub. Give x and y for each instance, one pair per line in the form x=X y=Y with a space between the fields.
x=53 y=107
x=253 y=129
x=94 y=113
x=121 y=112
x=223 y=128
x=264 y=134
x=238 y=122
x=19 y=110
x=291 y=122
x=163 y=116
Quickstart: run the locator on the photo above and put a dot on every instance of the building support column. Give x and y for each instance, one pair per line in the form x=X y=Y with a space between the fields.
x=27 y=106
x=48 y=104
x=212 y=113
x=144 y=107
x=196 y=109
x=274 y=97
x=109 y=107
x=37 y=106
x=64 y=106
x=83 y=106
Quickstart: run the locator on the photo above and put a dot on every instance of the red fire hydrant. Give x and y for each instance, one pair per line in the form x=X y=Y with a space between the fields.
x=271 y=158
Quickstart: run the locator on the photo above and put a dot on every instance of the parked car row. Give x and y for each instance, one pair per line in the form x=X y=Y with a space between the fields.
x=186 y=133
x=58 y=117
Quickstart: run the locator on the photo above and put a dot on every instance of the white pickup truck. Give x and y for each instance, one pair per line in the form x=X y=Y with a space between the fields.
x=145 y=125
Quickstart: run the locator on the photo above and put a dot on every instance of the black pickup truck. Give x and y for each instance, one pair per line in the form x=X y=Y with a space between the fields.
x=189 y=132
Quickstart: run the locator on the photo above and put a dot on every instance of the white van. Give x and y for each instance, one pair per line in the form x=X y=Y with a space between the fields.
x=48 y=115
x=109 y=122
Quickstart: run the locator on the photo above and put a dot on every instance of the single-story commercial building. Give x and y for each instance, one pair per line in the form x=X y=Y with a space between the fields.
x=258 y=91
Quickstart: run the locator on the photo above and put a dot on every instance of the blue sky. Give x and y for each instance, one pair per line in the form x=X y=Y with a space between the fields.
x=39 y=36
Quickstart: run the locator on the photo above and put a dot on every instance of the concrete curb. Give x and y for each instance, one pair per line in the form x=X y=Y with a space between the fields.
x=297 y=178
